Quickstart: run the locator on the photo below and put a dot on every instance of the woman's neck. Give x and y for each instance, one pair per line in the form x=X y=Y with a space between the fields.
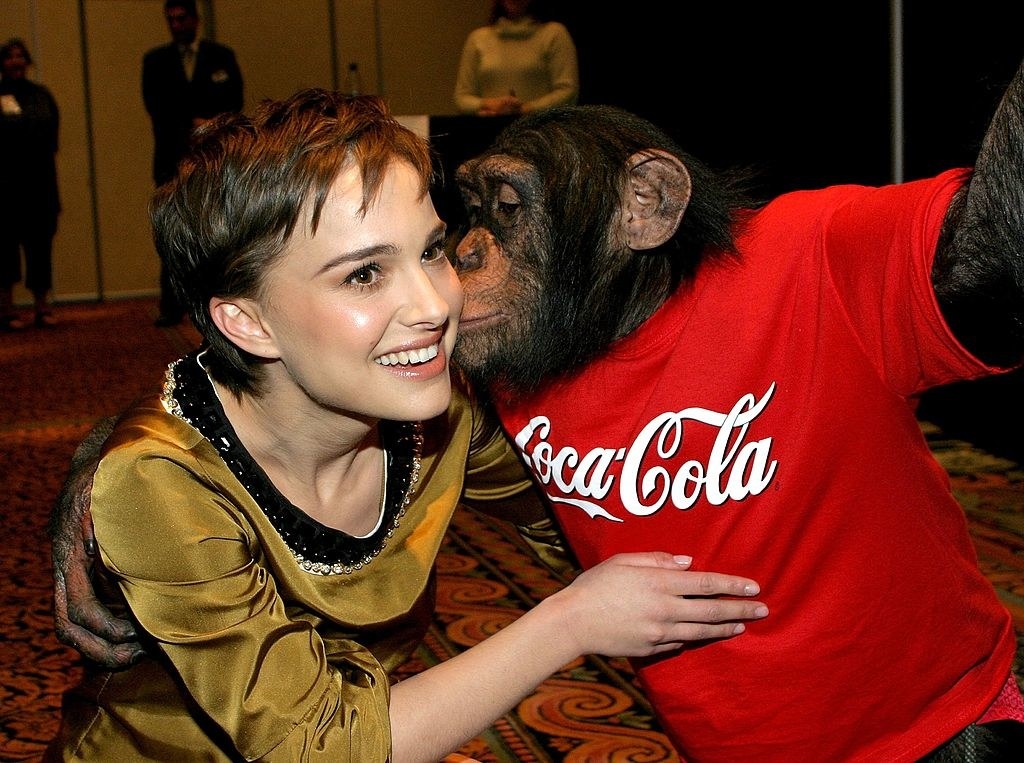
x=327 y=464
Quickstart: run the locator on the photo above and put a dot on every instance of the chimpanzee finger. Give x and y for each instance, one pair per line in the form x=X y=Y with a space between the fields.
x=105 y=639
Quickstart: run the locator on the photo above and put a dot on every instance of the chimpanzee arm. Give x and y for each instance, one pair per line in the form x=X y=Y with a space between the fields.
x=81 y=621
x=978 y=273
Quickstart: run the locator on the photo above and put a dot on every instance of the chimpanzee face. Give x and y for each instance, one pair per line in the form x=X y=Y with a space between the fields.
x=498 y=262
x=566 y=212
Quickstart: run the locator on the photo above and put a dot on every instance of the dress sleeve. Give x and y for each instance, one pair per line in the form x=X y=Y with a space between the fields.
x=547 y=542
x=189 y=565
x=494 y=470
x=498 y=485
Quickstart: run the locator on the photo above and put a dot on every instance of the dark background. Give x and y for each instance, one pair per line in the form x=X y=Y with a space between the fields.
x=777 y=86
x=801 y=91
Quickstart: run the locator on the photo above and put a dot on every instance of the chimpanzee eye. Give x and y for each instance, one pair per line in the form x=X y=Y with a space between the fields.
x=506 y=213
x=507 y=204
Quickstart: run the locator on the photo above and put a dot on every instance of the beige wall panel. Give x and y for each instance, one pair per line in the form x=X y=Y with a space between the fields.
x=420 y=45
x=118 y=33
x=15 y=18
x=356 y=34
x=75 y=275
x=281 y=46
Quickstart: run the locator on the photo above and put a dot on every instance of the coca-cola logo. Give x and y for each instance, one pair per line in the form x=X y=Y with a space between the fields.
x=733 y=469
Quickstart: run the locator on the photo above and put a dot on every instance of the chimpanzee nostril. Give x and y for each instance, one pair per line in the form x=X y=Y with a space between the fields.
x=466 y=261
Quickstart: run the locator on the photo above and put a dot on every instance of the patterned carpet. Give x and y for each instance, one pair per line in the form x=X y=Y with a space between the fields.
x=54 y=383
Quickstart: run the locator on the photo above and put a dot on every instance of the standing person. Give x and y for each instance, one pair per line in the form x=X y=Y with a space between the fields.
x=184 y=83
x=29 y=197
x=520 y=62
x=270 y=521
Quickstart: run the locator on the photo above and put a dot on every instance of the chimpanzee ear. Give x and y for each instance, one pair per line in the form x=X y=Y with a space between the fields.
x=656 y=193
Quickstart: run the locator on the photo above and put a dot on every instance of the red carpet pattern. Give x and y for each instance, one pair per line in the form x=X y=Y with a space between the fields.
x=55 y=383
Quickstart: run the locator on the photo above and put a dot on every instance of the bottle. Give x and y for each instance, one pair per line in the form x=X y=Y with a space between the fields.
x=353 y=82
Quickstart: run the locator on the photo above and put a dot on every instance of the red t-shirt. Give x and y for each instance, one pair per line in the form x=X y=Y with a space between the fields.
x=760 y=421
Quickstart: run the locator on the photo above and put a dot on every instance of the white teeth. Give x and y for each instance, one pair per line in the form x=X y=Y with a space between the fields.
x=410 y=357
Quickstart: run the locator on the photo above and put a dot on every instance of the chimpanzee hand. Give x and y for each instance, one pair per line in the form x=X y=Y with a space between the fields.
x=81 y=621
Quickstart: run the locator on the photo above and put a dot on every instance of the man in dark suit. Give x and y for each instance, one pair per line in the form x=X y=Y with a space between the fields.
x=184 y=83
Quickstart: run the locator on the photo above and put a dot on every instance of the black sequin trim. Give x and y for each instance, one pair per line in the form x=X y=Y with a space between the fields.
x=188 y=394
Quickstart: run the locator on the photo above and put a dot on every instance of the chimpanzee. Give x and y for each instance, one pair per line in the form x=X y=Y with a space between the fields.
x=682 y=367
x=677 y=364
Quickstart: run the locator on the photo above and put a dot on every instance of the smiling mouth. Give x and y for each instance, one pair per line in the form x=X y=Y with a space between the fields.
x=408 y=357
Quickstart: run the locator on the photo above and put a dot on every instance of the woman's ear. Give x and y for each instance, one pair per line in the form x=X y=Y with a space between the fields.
x=656 y=193
x=240 y=321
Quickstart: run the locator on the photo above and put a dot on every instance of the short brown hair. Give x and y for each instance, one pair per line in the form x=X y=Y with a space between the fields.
x=226 y=217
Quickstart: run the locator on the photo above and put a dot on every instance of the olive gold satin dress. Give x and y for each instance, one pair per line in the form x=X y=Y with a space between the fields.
x=271 y=637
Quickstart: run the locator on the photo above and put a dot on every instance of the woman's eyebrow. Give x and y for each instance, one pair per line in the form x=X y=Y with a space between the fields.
x=358 y=255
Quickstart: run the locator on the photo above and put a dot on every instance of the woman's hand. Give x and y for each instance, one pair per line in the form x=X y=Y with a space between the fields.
x=504 y=105
x=639 y=604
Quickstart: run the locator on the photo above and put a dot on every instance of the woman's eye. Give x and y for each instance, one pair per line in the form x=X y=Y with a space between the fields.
x=364 y=276
x=435 y=253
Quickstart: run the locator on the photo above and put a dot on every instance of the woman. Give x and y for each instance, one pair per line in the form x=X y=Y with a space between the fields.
x=519 y=62
x=272 y=521
x=29 y=199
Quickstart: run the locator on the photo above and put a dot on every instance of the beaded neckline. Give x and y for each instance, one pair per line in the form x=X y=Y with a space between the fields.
x=318 y=549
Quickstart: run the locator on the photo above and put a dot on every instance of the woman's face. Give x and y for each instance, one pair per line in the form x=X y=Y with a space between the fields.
x=14 y=63
x=364 y=313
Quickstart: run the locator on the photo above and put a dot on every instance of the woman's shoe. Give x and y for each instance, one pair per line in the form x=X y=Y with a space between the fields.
x=45 y=319
x=12 y=322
